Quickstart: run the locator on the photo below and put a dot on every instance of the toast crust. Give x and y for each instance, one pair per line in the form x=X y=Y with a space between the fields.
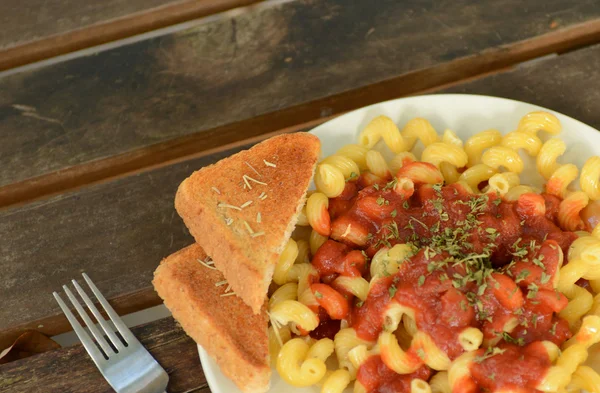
x=235 y=337
x=270 y=180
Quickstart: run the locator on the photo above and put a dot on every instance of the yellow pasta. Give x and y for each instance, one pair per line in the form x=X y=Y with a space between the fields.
x=322 y=349
x=590 y=178
x=501 y=156
x=344 y=342
x=569 y=209
x=400 y=160
x=419 y=386
x=451 y=138
x=517 y=140
x=450 y=173
x=395 y=357
x=420 y=129
x=460 y=369
x=420 y=172
x=383 y=127
x=476 y=144
x=277 y=337
x=285 y=263
x=470 y=338
x=386 y=262
x=287 y=291
x=356 y=153
x=502 y=183
x=515 y=193
x=534 y=122
x=393 y=315
x=329 y=180
x=559 y=181
x=293 y=311
x=357 y=286
x=433 y=356
x=316 y=241
x=296 y=368
x=439 y=152
x=477 y=174
x=549 y=153
x=303 y=251
x=376 y=164
x=439 y=383
x=337 y=382
x=584 y=378
x=580 y=303
x=317 y=213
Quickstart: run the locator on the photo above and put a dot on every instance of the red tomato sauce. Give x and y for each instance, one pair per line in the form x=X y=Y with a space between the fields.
x=518 y=368
x=480 y=262
x=376 y=377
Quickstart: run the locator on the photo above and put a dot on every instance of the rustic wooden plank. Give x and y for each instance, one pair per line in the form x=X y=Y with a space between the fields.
x=169 y=97
x=567 y=84
x=70 y=370
x=39 y=29
x=118 y=231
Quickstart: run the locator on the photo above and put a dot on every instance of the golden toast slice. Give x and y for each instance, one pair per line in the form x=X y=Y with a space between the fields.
x=243 y=209
x=235 y=337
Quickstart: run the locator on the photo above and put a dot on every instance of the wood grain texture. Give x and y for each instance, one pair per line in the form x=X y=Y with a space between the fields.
x=117 y=233
x=40 y=29
x=70 y=370
x=173 y=96
x=37 y=19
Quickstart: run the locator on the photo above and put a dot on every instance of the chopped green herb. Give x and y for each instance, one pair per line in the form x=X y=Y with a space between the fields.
x=545 y=278
x=394 y=213
x=405 y=205
x=491 y=351
x=522 y=275
x=510 y=339
x=421 y=280
x=391 y=184
x=318 y=295
x=392 y=290
x=533 y=290
x=421 y=353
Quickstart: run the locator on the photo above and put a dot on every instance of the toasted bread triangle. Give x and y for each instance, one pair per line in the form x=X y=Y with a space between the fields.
x=235 y=337
x=243 y=209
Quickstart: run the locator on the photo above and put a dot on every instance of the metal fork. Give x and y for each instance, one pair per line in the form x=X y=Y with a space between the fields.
x=125 y=363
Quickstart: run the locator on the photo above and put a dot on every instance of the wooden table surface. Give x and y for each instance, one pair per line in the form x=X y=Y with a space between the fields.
x=105 y=108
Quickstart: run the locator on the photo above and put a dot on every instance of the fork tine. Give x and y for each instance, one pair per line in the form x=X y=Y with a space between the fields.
x=84 y=337
x=114 y=317
x=86 y=319
x=105 y=326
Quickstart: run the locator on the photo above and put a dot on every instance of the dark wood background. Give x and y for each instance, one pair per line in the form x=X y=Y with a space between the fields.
x=93 y=148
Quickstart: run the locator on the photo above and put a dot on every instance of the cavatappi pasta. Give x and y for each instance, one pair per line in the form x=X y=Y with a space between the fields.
x=443 y=273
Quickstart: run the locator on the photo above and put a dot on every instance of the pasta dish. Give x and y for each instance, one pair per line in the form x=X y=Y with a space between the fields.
x=442 y=273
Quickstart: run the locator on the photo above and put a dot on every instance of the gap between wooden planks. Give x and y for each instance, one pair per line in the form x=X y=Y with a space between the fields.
x=113 y=30
x=298 y=117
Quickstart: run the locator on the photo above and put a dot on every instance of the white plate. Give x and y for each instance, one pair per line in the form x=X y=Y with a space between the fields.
x=465 y=115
